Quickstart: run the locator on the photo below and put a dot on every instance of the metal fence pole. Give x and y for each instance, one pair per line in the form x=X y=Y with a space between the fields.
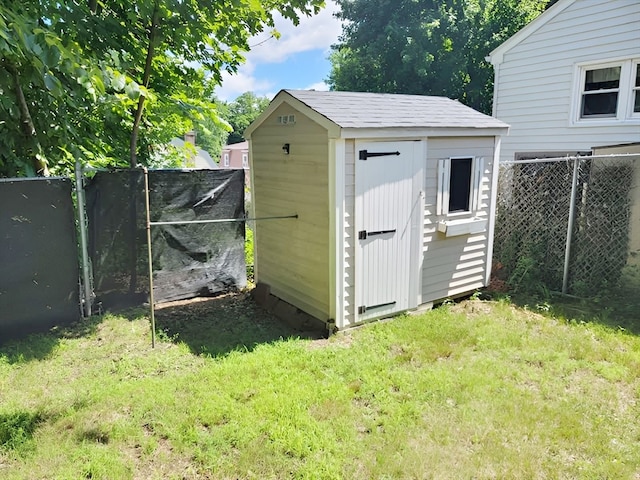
x=81 y=207
x=150 y=253
x=572 y=208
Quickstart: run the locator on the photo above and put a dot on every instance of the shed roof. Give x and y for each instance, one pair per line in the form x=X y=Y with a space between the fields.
x=386 y=110
x=369 y=115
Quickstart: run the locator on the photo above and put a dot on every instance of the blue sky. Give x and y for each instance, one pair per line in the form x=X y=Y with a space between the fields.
x=297 y=60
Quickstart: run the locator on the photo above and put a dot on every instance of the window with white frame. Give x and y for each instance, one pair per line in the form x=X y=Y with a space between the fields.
x=245 y=160
x=636 y=89
x=225 y=160
x=608 y=91
x=459 y=185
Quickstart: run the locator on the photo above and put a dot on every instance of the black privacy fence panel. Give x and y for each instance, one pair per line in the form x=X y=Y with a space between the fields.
x=38 y=256
x=189 y=259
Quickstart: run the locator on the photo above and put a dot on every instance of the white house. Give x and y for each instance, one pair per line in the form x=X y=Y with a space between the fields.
x=394 y=197
x=570 y=80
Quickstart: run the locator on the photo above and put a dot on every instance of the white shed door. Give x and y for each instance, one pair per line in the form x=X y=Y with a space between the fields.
x=385 y=202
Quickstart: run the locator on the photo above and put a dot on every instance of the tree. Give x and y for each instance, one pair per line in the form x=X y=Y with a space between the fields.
x=430 y=47
x=110 y=81
x=241 y=112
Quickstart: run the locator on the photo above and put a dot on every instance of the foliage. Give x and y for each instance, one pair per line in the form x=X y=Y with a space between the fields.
x=241 y=112
x=17 y=428
x=110 y=82
x=425 y=47
x=482 y=389
x=248 y=253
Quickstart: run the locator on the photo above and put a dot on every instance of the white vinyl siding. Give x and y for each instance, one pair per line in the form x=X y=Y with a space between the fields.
x=455 y=265
x=350 y=234
x=293 y=254
x=537 y=87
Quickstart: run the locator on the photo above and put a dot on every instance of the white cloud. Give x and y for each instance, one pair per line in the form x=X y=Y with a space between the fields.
x=318 y=32
x=319 y=86
x=241 y=81
x=312 y=33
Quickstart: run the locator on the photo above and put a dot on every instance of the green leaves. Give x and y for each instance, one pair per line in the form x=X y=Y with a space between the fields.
x=425 y=47
x=96 y=75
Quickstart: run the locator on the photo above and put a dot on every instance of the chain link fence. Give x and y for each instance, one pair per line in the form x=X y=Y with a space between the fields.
x=568 y=224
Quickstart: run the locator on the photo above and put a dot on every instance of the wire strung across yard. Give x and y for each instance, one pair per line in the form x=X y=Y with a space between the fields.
x=223 y=220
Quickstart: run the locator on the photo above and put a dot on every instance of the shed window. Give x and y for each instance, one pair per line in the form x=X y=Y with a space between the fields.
x=225 y=160
x=459 y=185
x=245 y=160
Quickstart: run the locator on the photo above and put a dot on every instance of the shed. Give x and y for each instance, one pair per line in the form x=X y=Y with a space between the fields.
x=394 y=196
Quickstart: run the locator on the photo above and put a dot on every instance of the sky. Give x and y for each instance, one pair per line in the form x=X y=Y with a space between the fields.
x=297 y=60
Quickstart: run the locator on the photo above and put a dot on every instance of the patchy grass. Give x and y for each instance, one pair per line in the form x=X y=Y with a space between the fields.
x=473 y=390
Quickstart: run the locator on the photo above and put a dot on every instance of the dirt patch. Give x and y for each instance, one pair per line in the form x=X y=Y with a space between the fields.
x=218 y=325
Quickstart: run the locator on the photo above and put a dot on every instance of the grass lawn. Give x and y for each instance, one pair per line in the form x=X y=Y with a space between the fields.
x=479 y=390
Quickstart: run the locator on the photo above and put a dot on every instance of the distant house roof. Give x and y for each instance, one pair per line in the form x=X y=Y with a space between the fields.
x=360 y=110
x=237 y=146
x=496 y=55
x=202 y=158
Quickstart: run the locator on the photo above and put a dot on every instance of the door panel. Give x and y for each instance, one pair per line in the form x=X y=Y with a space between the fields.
x=385 y=201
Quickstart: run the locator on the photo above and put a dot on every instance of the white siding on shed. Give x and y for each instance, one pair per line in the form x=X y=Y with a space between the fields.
x=350 y=234
x=454 y=265
x=536 y=79
x=293 y=254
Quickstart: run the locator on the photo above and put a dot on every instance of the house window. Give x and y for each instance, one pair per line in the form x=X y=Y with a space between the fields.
x=459 y=185
x=225 y=160
x=608 y=91
x=245 y=160
x=636 y=90
x=600 y=92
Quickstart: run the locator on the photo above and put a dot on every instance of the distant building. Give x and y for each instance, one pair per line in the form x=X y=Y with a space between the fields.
x=201 y=159
x=236 y=156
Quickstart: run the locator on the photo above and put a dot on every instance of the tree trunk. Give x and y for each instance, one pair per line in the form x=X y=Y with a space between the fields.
x=153 y=30
x=38 y=159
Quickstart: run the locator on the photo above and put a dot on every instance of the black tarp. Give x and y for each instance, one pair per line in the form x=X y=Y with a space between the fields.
x=39 y=268
x=188 y=260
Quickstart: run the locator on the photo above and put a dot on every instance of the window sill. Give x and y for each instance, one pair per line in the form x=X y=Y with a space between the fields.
x=602 y=122
x=465 y=226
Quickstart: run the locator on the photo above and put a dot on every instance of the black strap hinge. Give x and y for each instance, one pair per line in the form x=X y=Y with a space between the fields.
x=364 y=154
x=363 y=234
x=364 y=309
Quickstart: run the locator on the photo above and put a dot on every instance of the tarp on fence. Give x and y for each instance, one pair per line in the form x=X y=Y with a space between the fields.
x=38 y=256
x=188 y=260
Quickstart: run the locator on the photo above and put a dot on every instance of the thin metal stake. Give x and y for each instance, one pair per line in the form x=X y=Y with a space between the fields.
x=572 y=209
x=149 y=251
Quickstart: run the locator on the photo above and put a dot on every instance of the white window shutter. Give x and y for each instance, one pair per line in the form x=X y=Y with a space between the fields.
x=442 y=187
x=478 y=173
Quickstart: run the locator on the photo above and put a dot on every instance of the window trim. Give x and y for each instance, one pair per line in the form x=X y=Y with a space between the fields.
x=624 y=107
x=444 y=180
x=245 y=160
x=634 y=91
x=225 y=159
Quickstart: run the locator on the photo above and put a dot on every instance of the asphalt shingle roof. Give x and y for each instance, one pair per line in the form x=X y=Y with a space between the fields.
x=386 y=110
